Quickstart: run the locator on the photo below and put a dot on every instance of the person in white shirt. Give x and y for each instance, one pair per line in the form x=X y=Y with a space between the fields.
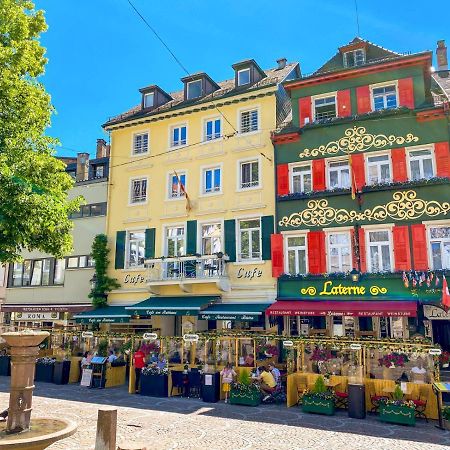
x=112 y=357
x=275 y=373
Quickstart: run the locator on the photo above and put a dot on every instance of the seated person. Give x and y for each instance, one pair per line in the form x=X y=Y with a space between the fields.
x=112 y=357
x=267 y=382
x=249 y=360
x=275 y=372
x=175 y=358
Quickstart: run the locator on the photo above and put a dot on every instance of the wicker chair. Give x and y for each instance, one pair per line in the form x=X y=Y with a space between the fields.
x=420 y=404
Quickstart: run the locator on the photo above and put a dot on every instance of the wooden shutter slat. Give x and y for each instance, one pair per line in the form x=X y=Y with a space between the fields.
x=119 y=261
x=362 y=250
x=344 y=103
x=402 y=253
x=363 y=99
x=399 y=172
x=283 y=179
x=267 y=229
x=358 y=171
x=406 y=92
x=304 y=110
x=230 y=239
x=442 y=156
x=150 y=234
x=419 y=241
x=276 y=242
x=316 y=252
x=318 y=174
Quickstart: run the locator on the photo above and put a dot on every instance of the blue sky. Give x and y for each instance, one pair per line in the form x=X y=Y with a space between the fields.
x=100 y=53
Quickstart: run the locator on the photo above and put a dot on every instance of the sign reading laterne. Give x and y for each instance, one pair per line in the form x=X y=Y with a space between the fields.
x=330 y=288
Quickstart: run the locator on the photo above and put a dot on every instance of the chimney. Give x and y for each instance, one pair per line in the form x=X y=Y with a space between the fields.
x=441 y=55
x=82 y=166
x=281 y=63
x=101 y=148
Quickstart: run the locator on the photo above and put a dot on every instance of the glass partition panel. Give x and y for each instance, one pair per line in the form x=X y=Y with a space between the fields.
x=173 y=351
x=225 y=351
x=246 y=355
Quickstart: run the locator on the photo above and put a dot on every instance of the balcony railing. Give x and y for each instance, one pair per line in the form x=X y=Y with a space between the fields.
x=185 y=270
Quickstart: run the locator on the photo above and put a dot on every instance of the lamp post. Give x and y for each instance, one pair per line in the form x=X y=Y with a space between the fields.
x=354 y=274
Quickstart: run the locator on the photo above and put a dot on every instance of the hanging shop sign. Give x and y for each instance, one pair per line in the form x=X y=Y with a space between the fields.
x=435 y=313
x=288 y=344
x=435 y=351
x=36 y=316
x=134 y=279
x=150 y=336
x=190 y=337
x=355 y=346
x=87 y=334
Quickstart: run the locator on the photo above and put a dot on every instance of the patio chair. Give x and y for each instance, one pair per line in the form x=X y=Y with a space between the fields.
x=420 y=404
x=375 y=399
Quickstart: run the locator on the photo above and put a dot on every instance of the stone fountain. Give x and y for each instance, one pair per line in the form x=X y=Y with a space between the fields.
x=20 y=432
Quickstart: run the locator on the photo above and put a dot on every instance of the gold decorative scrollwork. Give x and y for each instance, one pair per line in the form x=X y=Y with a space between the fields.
x=310 y=290
x=404 y=206
x=356 y=139
x=375 y=290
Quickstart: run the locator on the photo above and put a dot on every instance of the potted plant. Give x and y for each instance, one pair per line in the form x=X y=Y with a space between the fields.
x=44 y=369
x=155 y=381
x=398 y=410
x=446 y=417
x=244 y=392
x=319 y=400
x=444 y=359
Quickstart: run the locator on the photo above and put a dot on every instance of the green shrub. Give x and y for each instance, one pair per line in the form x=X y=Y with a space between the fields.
x=244 y=378
x=398 y=393
x=103 y=348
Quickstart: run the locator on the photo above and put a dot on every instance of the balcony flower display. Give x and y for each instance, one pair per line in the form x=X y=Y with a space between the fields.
x=321 y=354
x=393 y=360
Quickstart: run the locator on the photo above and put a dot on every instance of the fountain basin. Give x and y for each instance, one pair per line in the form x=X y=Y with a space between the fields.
x=43 y=433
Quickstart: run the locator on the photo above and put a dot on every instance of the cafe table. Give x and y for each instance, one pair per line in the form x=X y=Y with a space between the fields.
x=332 y=383
x=391 y=389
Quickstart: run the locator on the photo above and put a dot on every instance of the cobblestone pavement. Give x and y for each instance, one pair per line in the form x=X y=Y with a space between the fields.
x=182 y=424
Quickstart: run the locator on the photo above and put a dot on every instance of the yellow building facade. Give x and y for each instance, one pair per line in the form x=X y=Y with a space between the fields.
x=192 y=202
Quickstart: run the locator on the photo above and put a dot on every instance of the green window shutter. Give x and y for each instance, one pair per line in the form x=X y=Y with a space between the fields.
x=230 y=239
x=150 y=242
x=267 y=224
x=120 y=249
x=191 y=239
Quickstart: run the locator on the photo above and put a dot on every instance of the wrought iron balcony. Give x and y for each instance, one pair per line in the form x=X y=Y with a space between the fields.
x=187 y=270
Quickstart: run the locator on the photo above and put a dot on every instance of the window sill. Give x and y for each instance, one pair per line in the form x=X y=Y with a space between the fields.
x=174 y=199
x=132 y=205
x=212 y=141
x=249 y=133
x=136 y=155
x=247 y=262
x=132 y=269
x=211 y=194
x=249 y=189
x=34 y=287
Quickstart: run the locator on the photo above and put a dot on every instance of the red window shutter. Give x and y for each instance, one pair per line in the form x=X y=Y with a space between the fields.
x=282 y=179
x=352 y=249
x=442 y=155
x=316 y=252
x=362 y=250
x=402 y=253
x=406 y=92
x=276 y=243
x=363 y=99
x=304 y=110
x=358 y=171
x=318 y=174
x=398 y=156
x=344 y=103
x=419 y=241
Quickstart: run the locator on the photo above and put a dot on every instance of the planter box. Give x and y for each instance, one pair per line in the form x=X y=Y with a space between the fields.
x=154 y=385
x=317 y=405
x=44 y=372
x=61 y=372
x=398 y=414
x=5 y=366
x=251 y=399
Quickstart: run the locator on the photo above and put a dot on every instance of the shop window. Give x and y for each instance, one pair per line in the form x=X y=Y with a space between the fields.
x=338 y=174
x=135 y=249
x=318 y=323
x=379 y=251
x=338 y=326
x=378 y=169
x=365 y=324
x=249 y=239
x=421 y=164
x=301 y=178
x=440 y=247
x=296 y=255
x=339 y=256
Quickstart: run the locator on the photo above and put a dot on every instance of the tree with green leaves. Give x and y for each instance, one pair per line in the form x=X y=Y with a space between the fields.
x=103 y=283
x=34 y=208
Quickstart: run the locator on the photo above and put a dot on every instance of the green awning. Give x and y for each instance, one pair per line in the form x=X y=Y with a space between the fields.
x=107 y=314
x=234 y=311
x=189 y=305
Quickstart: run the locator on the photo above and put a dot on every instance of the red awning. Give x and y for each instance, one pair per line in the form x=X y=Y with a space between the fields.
x=356 y=309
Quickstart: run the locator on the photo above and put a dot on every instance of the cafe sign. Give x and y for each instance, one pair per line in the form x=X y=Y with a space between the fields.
x=330 y=288
x=115 y=319
x=432 y=312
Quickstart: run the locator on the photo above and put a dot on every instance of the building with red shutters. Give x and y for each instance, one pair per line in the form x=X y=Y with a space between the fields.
x=363 y=212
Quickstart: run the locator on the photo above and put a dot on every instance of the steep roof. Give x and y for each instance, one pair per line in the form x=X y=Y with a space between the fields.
x=227 y=88
x=442 y=78
x=374 y=53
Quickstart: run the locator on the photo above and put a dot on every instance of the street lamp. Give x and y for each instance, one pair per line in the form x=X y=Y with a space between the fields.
x=93 y=281
x=354 y=275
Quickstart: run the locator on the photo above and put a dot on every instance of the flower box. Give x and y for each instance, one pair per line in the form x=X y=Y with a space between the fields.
x=44 y=372
x=5 y=365
x=155 y=385
x=246 y=395
x=404 y=415
x=318 y=404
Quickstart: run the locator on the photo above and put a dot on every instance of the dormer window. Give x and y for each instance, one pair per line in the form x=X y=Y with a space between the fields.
x=149 y=100
x=194 y=89
x=243 y=77
x=355 y=58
